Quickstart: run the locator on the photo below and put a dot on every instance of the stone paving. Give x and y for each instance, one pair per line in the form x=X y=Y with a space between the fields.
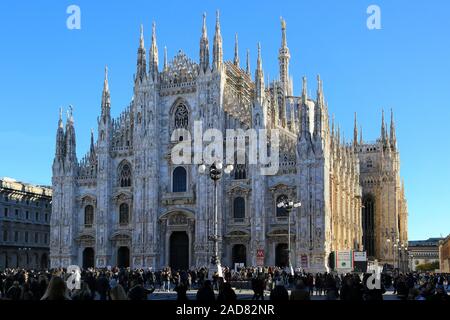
x=244 y=294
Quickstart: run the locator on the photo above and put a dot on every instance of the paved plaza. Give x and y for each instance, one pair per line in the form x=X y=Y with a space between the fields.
x=243 y=294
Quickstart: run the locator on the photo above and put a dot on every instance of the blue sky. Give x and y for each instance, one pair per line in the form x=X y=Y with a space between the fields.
x=404 y=66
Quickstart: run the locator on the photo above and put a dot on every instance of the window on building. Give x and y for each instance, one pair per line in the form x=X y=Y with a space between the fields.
x=181 y=117
x=46 y=217
x=124 y=213
x=27 y=215
x=46 y=238
x=88 y=216
x=16 y=211
x=5 y=235
x=16 y=236
x=26 y=237
x=239 y=208
x=240 y=172
x=36 y=237
x=37 y=216
x=5 y=212
x=125 y=175
x=179 y=180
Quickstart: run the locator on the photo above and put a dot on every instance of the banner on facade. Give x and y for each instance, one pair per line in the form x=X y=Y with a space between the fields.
x=344 y=259
x=260 y=257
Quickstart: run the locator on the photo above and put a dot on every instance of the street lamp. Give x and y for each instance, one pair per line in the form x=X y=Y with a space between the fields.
x=215 y=173
x=288 y=205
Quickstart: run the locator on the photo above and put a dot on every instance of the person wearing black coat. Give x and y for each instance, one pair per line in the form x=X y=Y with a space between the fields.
x=206 y=293
x=279 y=293
x=226 y=294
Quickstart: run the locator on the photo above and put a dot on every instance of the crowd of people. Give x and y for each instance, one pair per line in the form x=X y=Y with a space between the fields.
x=277 y=283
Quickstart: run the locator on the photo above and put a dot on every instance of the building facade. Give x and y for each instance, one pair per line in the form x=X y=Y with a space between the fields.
x=444 y=255
x=423 y=251
x=127 y=203
x=25 y=212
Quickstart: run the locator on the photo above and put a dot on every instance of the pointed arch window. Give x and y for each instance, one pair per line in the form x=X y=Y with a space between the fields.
x=125 y=175
x=181 y=117
x=179 y=180
x=239 y=209
x=88 y=216
x=124 y=213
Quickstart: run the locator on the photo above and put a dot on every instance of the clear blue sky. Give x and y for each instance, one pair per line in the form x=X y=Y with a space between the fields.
x=404 y=66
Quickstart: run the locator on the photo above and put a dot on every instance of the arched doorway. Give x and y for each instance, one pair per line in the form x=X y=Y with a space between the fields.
x=123 y=257
x=281 y=255
x=239 y=254
x=44 y=261
x=179 y=250
x=88 y=258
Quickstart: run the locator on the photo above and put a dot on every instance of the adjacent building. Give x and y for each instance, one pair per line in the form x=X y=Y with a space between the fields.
x=127 y=203
x=422 y=252
x=25 y=214
x=444 y=255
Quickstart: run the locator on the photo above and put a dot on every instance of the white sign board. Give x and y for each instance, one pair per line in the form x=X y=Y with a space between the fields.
x=344 y=260
x=359 y=256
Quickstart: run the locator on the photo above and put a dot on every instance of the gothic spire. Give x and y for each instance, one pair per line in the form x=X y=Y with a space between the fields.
x=236 y=51
x=141 y=69
x=276 y=105
x=393 y=137
x=70 y=147
x=248 y=63
x=305 y=90
x=204 y=47
x=283 y=60
x=361 y=141
x=259 y=74
x=318 y=111
x=355 y=132
x=320 y=98
x=165 y=59
x=92 y=148
x=384 y=135
x=60 y=147
x=153 y=68
x=106 y=100
x=217 y=48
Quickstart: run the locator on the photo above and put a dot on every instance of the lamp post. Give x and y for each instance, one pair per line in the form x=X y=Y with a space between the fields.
x=288 y=205
x=215 y=173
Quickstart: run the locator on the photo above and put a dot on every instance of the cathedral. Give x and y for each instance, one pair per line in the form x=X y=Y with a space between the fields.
x=127 y=203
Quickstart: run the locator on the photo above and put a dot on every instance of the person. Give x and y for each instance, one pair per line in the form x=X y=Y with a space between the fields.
x=117 y=292
x=206 y=293
x=300 y=292
x=14 y=292
x=226 y=294
x=102 y=286
x=329 y=283
x=138 y=292
x=181 y=290
x=279 y=293
x=83 y=294
x=440 y=294
x=57 y=290
x=258 y=288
